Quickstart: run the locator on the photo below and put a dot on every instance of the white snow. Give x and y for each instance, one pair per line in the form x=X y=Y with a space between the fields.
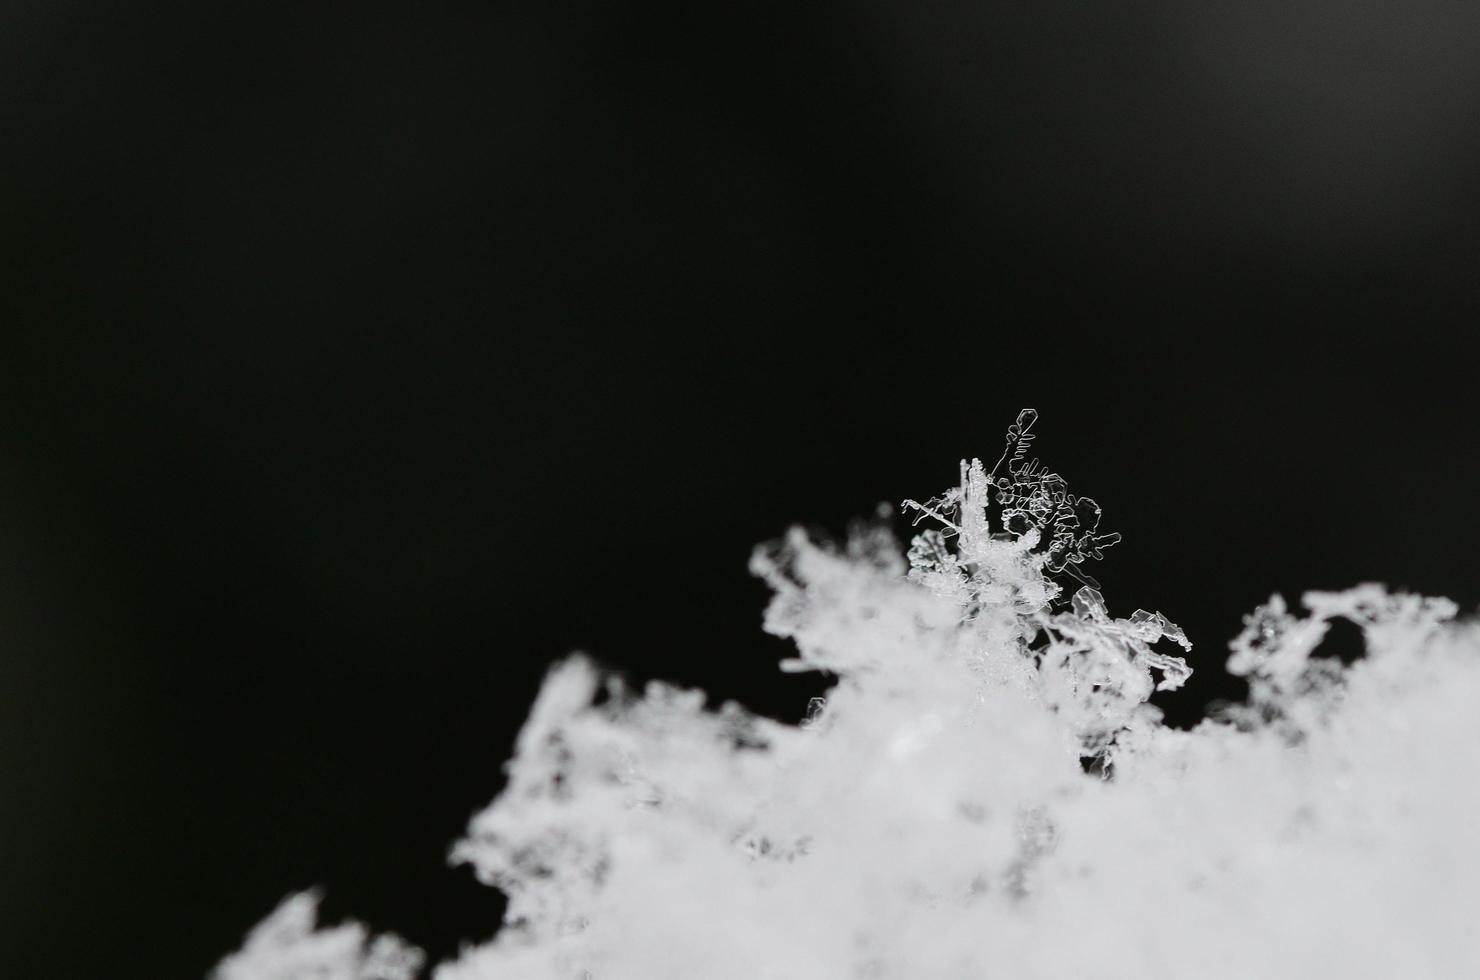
x=933 y=818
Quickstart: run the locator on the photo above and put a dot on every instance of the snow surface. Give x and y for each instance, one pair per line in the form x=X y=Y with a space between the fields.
x=986 y=791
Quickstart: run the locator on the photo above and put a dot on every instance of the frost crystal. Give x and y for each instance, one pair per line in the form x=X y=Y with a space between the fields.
x=985 y=791
x=1094 y=670
x=1036 y=510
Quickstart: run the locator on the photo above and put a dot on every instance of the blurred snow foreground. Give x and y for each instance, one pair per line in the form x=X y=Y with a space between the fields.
x=985 y=792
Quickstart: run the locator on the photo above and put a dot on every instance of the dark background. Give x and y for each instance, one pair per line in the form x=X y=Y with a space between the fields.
x=356 y=363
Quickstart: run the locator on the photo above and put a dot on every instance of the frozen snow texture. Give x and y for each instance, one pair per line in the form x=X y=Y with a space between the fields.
x=934 y=817
x=286 y=946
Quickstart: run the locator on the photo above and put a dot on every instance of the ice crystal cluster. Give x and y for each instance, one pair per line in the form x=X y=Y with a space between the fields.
x=986 y=791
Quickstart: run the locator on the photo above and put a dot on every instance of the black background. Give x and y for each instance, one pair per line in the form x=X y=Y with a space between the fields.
x=359 y=362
